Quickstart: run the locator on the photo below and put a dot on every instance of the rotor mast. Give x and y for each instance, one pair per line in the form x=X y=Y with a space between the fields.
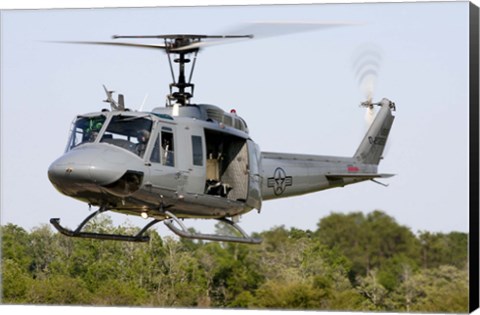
x=182 y=45
x=182 y=96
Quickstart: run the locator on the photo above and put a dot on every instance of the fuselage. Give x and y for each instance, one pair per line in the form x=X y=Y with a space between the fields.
x=195 y=161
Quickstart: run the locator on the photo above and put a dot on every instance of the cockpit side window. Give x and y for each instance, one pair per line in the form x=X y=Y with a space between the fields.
x=85 y=130
x=128 y=132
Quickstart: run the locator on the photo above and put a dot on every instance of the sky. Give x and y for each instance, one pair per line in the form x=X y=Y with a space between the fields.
x=299 y=93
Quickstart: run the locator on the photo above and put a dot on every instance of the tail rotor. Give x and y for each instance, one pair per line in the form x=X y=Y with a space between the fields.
x=366 y=66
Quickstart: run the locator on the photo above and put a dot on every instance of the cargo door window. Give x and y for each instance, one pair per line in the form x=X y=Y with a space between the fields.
x=197 y=150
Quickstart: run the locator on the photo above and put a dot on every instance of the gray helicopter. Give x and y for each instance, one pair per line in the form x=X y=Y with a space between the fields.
x=193 y=161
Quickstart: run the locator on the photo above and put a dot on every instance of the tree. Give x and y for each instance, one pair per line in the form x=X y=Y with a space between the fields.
x=443 y=289
x=439 y=249
x=395 y=269
x=44 y=250
x=58 y=289
x=368 y=241
x=180 y=281
x=407 y=293
x=114 y=292
x=15 y=282
x=16 y=245
x=374 y=292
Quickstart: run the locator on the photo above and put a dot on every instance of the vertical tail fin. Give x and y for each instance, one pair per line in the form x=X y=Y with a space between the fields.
x=371 y=148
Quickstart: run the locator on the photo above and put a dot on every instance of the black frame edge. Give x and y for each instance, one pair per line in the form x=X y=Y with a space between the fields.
x=474 y=255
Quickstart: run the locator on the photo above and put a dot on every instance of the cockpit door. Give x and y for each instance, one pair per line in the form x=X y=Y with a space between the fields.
x=254 y=198
x=163 y=160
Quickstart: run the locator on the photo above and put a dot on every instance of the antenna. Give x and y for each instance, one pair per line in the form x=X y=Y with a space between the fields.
x=143 y=103
x=121 y=102
x=120 y=105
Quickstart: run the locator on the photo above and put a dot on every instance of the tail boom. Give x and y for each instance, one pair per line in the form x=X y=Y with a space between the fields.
x=285 y=174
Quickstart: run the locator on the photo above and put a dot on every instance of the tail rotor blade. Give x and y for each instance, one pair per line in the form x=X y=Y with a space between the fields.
x=366 y=66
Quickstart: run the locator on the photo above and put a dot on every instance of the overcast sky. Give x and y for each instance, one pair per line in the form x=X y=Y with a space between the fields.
x=298 y=93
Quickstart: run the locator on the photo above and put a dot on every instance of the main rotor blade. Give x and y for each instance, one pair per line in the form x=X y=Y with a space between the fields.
x=199 y=45
x=150 y=46
x=265 y=29
x=257 y=30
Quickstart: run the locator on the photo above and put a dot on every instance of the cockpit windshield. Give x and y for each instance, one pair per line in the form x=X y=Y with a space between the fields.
x=128 y=132
x=85 y=130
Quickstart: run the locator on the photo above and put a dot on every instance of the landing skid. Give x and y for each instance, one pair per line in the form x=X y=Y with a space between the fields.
x=139 y=237
x=184 y=232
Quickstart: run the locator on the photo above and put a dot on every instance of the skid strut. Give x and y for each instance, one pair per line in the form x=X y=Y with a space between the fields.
x=139 y=237
x=184 y=232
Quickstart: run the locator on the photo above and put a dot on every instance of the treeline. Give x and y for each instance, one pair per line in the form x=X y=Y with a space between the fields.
x=350 y=262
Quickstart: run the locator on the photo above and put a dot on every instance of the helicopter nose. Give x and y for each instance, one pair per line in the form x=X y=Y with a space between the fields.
x=90 y=167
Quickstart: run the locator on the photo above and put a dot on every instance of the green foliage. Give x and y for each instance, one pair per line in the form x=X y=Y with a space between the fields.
x=439 y=249
x=442 y=289
x=356 y=261
x=392 y=272
x=368 y=241
x=376 y=296
x=115 y=292
x=58 y=289
x=15 y=281
x=15 y=245
x=289 y=295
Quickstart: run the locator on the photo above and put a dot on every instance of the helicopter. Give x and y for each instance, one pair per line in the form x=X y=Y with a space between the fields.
x=193 y=161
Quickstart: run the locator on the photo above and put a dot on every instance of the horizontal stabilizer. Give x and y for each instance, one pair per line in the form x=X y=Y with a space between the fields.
x=359 y=175
x=341 y=179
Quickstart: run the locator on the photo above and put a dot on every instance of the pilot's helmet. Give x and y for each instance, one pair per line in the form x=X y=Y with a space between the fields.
x=98 y=126
x=143 y=136
x=94 y=126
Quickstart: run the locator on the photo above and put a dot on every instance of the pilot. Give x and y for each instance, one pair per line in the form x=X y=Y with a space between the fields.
x=92 y=136
x=142 y=137
x=91 y=133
